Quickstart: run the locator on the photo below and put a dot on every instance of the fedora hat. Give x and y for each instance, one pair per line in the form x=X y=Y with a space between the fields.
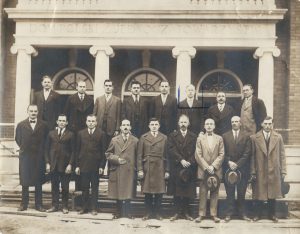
x=211 y=182
x=233 y=177
x=285 y=188
x=185 y=176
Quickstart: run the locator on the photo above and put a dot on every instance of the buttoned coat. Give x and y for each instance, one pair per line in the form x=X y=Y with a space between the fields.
x=222 y=118
x=59 y=151
x=153 y=161
x=166 y=114
x=31 y=153
x=268 y=164
x=114 y=113
x=180 y=148
x=48 y=109
x=77 y=111
x=206 y=156
x=90 y=150
x=121 y=183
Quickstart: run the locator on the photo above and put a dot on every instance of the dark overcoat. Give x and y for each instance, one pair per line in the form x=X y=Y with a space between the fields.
x=153 y=161
x=179 y=148
x=268 y=164
x=31 y=154
x=121 y=183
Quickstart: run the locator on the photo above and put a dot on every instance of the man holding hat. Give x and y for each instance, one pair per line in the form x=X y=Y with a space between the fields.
x=181 y=151
x=209 y=156
x=236 y=167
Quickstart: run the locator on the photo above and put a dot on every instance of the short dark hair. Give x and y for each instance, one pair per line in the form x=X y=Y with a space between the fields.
x=135 y=82
x=164 y=81
x=268 y=118
x=31 y=105
x=107 y=80
x=91 y=115
x=46 y=77
x=62 y=115
x=80 y=81
x=249 y=85
x=153 y=119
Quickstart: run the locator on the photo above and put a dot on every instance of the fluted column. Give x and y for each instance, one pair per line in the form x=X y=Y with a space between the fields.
x=266 y=75
x=184 y=56
x=23 y=79
x=102 y=55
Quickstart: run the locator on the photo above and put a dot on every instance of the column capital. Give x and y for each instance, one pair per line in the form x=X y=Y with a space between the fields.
x=106 y=49
x=259 y=52
x=178 y=50
x=30 y=50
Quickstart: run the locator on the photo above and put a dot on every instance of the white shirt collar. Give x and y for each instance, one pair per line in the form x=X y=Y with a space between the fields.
x=108 y=96
x=183 y=132
x=154 y=134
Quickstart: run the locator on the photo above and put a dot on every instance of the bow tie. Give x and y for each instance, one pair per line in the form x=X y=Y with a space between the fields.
x=209 y=134
x=32 y=121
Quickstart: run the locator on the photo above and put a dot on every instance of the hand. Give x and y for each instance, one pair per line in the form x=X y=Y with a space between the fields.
x=47 y=167
x=101 y=171
x=167 y=175
x=140 y=175
x=185 y=163
x=210 y=170
x=77 y=171
x=232 y=165
x=116 y=133
x=68 y=169
x=122 y=161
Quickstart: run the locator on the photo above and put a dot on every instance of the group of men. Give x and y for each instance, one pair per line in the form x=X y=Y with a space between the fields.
x=169 y=146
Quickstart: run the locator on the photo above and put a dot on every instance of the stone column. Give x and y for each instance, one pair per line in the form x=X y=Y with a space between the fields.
x=23 y=79
x=184 y=56
x=266 y=75
x=102 y=55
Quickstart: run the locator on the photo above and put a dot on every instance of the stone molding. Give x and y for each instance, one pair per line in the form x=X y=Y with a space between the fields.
x=30 y=50
x=259 y=52
x=94 y=50
x=177 y=51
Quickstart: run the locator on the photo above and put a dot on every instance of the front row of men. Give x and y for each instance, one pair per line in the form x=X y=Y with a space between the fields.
x=155 y=157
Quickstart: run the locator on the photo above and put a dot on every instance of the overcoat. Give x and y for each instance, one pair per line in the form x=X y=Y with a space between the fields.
x=268 y=164
x=114 y=113
x=179 y=148
x=48 y=109
x=121 y=183
x=59 y=151
x=153 y=161
x=77 y=111
x=206 y=156
x=31 y=155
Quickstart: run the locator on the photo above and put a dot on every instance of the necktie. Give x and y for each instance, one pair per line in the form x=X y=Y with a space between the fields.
x=135 y=99
x=59 y=132
x=235 y=136
x=125 y=139
x=209 y=134
x=32 y=121
x=164 y=100
x=81 y=97
x=90 y=131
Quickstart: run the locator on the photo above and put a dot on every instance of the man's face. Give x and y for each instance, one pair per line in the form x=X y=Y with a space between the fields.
x=91 y=122
x=267 y=125
x=183 y=123
x=108 y=87
x=154 y=126
x=164 y=88
x=247 y=91
x=190 y=92
x=209 y=125
x=125 y=127
x=62 y=121
x=221 y=98
x=47 y=83
x=81 y=87
x=32 y=112
x=135 y=89
x=235 y=123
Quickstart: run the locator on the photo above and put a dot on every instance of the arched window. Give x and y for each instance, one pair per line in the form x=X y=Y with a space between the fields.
x=148 y=77
x=64 y=82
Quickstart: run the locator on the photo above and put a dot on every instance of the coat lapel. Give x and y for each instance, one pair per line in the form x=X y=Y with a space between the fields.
x=273 y=141
x=261 y=142
x=28 y=126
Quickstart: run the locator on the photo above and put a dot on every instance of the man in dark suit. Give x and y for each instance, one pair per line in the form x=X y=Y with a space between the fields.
x=252 y=111
x=193 y=109
x=48 y=103
x=181 y=151
x=164 y=108
x=59 y=156
x=31 y=135
x=135 y=109
x=237 y=147
x=90 y=148
x=221 y=113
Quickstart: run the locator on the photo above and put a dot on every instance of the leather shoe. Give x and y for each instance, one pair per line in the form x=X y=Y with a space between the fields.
x=256 y=218
x=188 y=217
x=94 y=212
x=65 y=210
x=22 y=208
x=40 y=209
x=274 y=219
x=227 y=218
x=244 y=217
x=199 y=219
x=82 y=211
x=175 y=217
x=52 y=209
x=158 y=217
x=216 y=219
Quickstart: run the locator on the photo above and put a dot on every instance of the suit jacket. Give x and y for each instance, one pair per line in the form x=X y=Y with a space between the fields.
x=129 y=112
x=205 y=156
x=31 y=154
x=59 y=151
x=48 y=109
x=259 y=111
x=90 y=150
x=195 y=114
x=77 y=111
x=222 y=119
x=166 y=114
x=114 y=113
x=237 y=152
